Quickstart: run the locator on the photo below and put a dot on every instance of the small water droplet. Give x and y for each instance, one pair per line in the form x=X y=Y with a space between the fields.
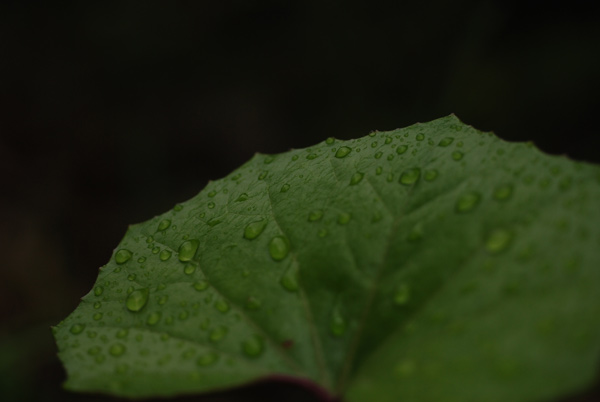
x=165 y=255
x=253 y=347
x=431 y=175
x=295 y=157
x=141 y=260
x=498 y=241
x=217 y=334
x=263 y=175
x=402 y=295
x=137 y=300
x=131 y=277
x=77 y=329
x=163 y=225
x=338 y=324
x=183 y=315
x=390 y=177
x=374 y=144
x=446 y=141
x=178 y=207
x=467 y=202
x=344 y=218
x=390 y=157
x=284 y=188
x=356 y=178
x=97 y=305
x=117 y=349
x=93 y=351
x=254 y=229
x=201 y=285
x=401 y=149
x=410 y=176
x=153 y=318
x=311 y=156
x=188 y=249
x=457 y=155
x=322 y=233
x=122 y=256
x=315 y=215
x=211 y=205
x=98 y=316
x=155 y=250
x=378 y=155
x=212 y=193
x=242 y=197
x=388 y=140
x=279 y=248
x=189 y=269
x=503 y=192
x=420 y=137
x=222 y=306
x=343 y=152
x=122 y=333
x=379 y=170
x=252 y=303
x=329 y=140
x=207 y=359
x=162 y=299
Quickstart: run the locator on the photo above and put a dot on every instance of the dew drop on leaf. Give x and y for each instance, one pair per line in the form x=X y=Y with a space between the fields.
x=356 y=178
x=165 y=255
x=315 y=215
x=137 y=300
x=410 y=176
x=420 y=137
x=187 y=250
x=122 y=333
x=98 y=316
x=189 y=269
x=344 y=218
x=446 y=141
x=201 y=285
x=77 y=329
x=222 y=306
x=284 y=188
x=289 y=280
x=207 y=359
x=279 y=248
x=498 y=241
x=211 y=205
x=217 y=334
x=467 y=202
x=253 y=347
x=122 y=256
x=431 y=175
x=401 y=149
x=153 y=318
x=457 y=155
x=503 y=192
x=163 y=225
x=254 y=229
x=242 y=197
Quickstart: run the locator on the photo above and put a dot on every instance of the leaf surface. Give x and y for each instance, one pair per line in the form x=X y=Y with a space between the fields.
x=431 y=263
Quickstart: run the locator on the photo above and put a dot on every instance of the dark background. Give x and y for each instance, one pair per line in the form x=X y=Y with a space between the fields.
x=112 y=112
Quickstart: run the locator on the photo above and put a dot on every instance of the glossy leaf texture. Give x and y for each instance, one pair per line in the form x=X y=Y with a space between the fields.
x=430 y=263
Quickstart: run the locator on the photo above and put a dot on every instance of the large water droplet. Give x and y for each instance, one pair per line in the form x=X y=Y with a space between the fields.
x=217 y=334
x=165 y=255
x=253 y=347
x=410 y=176
x=402 y=294
x=279 y=248
x=163 y=225
x=498 y=241
x=343 y=152
x=338 y=324
x=254 y=229
x=207 y=359
x=77 y=329
x=467 y=202
x=188 y=249
x=289 y=280
x=154 y=318
x=122 y=256
x=137 y=300
x=401 y=149
x=446 y=141
x=356 y=178
x=503 y=192
x=315 y=215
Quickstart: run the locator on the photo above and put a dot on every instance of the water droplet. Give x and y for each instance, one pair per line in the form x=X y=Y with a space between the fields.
x=315 y=215
x=131 y=277
x=402 y=295
x=117 y=349
x=252 y=303
x=279 y=248
x=263 y=175
x=446 y=141
x=137 y=300
x=242 y=197
x=155 y=250
x=356 y=178
x=122 y=333
x=178 y=207
x=401 y=149
x=141 y=260
x=201 y=285
x=410 y=176
x=254 y=229
x=153 y=318
x=378 y=155
x=122 y=256
x=390 y=157
x=431 y=175
x=163 y=225
x=284 y=188
x=498 y=240
x=188 y=249
x=338 y=324
x=217 y=334
x=329 y=140
x=390 y=177
x=379 y=170
x=290 y=280
x=77 y=329
x=165 y=255
x=91 y=334
x=162 y=300
x=344 y=218
x=467 y=202
x=212 y=193
x=374 y=144
x=189 y=269
x=420 y=137
x=93 y=351
x=457 y=155
x=97 y=305
x=343 y=152
x=211 y=205
x=295 y=157
x=322 y=233
x=213 y=222
x=503 y=192
x=253 y=347
x=183 y=315
x=207 y=359
x=310 y=157
x=222 y=306
x=98 y=316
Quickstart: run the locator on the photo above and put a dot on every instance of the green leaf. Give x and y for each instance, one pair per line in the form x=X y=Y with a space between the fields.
x=431 y=263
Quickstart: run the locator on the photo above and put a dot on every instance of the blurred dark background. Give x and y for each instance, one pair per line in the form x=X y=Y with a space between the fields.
x=112 y=112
